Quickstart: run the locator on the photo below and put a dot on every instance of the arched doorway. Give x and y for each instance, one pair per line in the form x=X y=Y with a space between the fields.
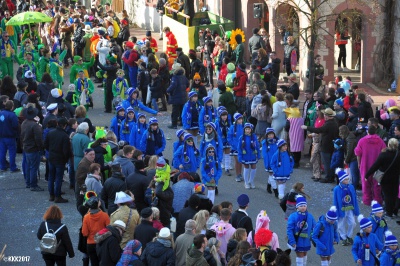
x=287 y=16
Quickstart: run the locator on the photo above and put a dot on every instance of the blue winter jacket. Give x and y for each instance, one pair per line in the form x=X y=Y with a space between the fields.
x=224 y=138
x=207 y=114
x=137 y=105
x=282 y=164
x=248 y=154
x=136 y=134
x=187 y=116
x=126 y=130
x=177 y=144
x=115 y=126
x=189 y=158
x=218 y=147
x=358 y=249
x=390 y=257
x=337 y=160
x=8 y=124
x=379 y=227
x=293 y=227
x=234 y=133
x=339 y=201
x=177 y=88
x=145 y=144
x=324 y=235
x=269 y=148
x=208 y=173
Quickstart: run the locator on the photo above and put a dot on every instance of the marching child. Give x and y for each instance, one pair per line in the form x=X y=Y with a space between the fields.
x=235 y=131
x=153 y=140
x=269 y=148
x=300 y=226
x=211 y=137
x=163 y=173
x=390 y=254
x=83 y=85
x=282 y=166
x=116 y=121
x=325 y=235
x=211 y=172
x=138 y=130
x=120 y=87
x=180 y=135
x=345 y=200
x=379 y=225
x=207 y=114
x=223 y=125
x=366 y=243
x=190 y=114
x=248 y=154
x=187 y=156
x=135 y=103
x=127 y=124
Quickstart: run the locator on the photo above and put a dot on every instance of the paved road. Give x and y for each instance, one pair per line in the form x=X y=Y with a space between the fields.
x=21 y=210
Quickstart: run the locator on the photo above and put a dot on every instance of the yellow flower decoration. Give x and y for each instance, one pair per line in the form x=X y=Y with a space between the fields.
x=232 y=41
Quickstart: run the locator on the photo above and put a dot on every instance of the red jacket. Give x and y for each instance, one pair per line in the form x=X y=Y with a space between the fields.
x=223 y=72
x=133 y=57
x=240 y=89
x=153 y=44
x=172 y=44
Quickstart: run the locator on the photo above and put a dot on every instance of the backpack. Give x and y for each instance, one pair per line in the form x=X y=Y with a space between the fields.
x=49 y=243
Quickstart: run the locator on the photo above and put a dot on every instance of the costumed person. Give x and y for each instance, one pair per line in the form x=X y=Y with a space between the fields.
x=32 y=33
x=190 y=114
x=299 y=230
x=134 y=102
x=390 y=254
x=119 y=87
x=264 y=241
x=211 y=137
x=127 y=124
x=80 y=65
x=138 y=130
x=187 y=156
x=116 y=121
x=57 y=67
x=366 y=244
x=262 y=222
x=269 y=148
x=111 y=68
x=163 y=173
x=13 y=31
x=211 y=172
x=235 y=132
x=223 y=126
x=43 y=65
x=172 y=44
x=207 y=114
x=130 y=57
x=345 y=200
x=325 y=235
x=248 y=154
x=282 y=166
x=86 y=86
x=296 y=133
x=153 y=140
x=379 y=224
x=27 y=65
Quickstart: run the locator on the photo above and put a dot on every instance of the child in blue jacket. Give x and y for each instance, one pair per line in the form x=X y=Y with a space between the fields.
x=190 y=114
x=366 y=244
x=207 y=114
x=299 y=229
x=337 y=160
x=234 y=133
x=180 y=135
x=211 y=172
x=269 y=148
x=153 y=140
x=282 y=166
x=223 y=125
x=187 y=157
x=211 y=137
x=325 y=235
x=137 y=131
x=391 y=254
x=248 y=154
x=116 y=121
x=134 y=102
x=345 y=200
x=379 y=225
x=127 y=124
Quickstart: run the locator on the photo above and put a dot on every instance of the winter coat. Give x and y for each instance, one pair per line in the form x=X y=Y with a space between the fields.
x=209 y=170
x=93 y=223
x=329 y=132
x=93 y=184
x=379 y=227
x=255 y=43
x=278 y=117
x=384 y=160
x=207 y=114
x=115 y=125
x=136 y=134
x=240 y=219
x=62 y=237
x=222 y=130
x=153 y=143
x=224 y=232
x=269 y=148
x=184 y=215
x=31 y=136
x=324 y=235
x=350 y=144
x=390 y=257
x=59 y=146
x=177 y=88
x=226 y=100
x=185 y=63
x=345 y=203
x=282 y=165
x=188 y=157
x=190 y=115
x=127 y=166
x=107 y=248
x=194 y=257
x=145 y=232
x=113 y=184
x=276 y=66
x=294 y=226
x=358 y=249
x=182 y=189
x=217 y=145
x=157 y=253
x=79 y=142
x=337 y=159
x=165 y=199
x=125 y=129
x=248 y=152
x=241 y=81
x=82 y=169
x=156 y=87
x=137 y=182
x=131 y=219
x=182 y=244
x=43 y=91
x=234 y=133
x=365 y=111
x=8 y=124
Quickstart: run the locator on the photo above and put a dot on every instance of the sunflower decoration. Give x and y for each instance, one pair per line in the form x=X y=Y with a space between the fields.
x=232 y=41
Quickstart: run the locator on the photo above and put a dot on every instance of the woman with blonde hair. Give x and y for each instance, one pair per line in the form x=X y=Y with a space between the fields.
x=80 y=115
x=213 y=254
x=201 y=218
x=151 y=168
x=232 y=247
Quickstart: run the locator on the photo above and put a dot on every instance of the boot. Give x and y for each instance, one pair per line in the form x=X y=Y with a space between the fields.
x=269 y=189
x=216 y=190
x=85 y=261
x=276 y=192
x=51 y=198
x=60 y=200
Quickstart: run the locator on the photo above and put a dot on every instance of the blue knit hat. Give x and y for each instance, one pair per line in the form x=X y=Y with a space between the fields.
x=280 y=143
x=131 y=90
x=211 y=124
x=119 y=108
x=390 y=239
x=339 y=102
x=300 y=201
x=332 y=214
x=187 y=136
x=342 y=175
x=364 y=222
x=130 y=109
x=248 y=125
x=179 y=133
x=206 y=99
x=340 y=90
x=192 y=93
x=269 y=130
x=222 y=110
x=237 y=116
x=243 y=200
x=139 y=115
x=153 y=120
x=376 y=207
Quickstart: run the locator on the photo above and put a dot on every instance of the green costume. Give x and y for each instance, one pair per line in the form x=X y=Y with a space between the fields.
x=44 y=67
x=13 y=31
x=21 y=56
x=34 y=37
x=82 y=84
x=76 y=68
x=7 y=56
x=87 y=54
x=26 y=66
x=119 y=87
x=57 y=69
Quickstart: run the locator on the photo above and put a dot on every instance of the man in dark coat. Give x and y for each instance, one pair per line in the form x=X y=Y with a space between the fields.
x=59 y=146
x=187 y=214
x=177 y=95
x=108 y=249
x=184 y=61
x=124 y=34
x=165 y=199
x=159 y=252
x=52 y=112
x=255 y=43
x=8 y=134
x=240 y=218
x=145 y=232
x=113 y=184
x=137 y=183
x=275 y=64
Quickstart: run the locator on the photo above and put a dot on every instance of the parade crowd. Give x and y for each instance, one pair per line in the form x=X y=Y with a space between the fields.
x=139 y=207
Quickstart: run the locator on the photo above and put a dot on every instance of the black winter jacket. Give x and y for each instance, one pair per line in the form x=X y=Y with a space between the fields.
x=31 y=136
x=184 y=215
x=145 y=232
x=177 y=88
x=329 y=132
x=113 y=184
x=107 y=248
x=156 y=87
x=185 y=63
x=156 y=253
x=165 y=199
x=59 y=146
x=43 y=91
x=137 y=183
x=123 y=36
x=391 y=177
x=240 y=220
